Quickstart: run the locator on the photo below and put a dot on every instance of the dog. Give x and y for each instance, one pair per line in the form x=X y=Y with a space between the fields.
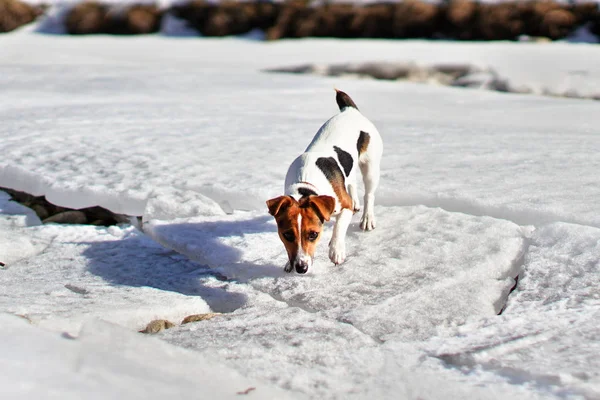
x=321 y=183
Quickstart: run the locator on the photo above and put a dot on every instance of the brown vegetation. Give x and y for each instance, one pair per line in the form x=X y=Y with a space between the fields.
x=14 y=14
x=93 y=17
x=451 y=19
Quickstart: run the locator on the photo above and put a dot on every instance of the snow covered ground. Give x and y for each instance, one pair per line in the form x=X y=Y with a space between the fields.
x=477 y=187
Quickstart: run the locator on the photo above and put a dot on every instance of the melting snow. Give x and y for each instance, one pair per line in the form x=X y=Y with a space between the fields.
x=477 y=187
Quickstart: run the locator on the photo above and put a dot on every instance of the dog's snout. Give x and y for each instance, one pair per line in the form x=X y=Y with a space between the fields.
x=301 y=267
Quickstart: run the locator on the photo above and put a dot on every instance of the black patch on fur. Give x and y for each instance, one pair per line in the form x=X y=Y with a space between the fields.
x=343 y=100
x=345 y=160
x=363 y=142
x=331 y=169
x=305 y=192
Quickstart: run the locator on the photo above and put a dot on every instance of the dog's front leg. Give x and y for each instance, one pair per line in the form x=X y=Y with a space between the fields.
x=337 y=246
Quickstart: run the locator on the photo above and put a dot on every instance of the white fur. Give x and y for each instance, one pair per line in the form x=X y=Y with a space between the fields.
x=301 y=256
x=343 y=131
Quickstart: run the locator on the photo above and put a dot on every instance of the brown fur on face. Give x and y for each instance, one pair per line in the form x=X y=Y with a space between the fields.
x=299 y=225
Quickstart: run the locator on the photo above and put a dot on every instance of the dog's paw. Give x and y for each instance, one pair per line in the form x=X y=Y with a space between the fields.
x=356 y=208
x=288 y=267
x=367 y=223
x=337 y=253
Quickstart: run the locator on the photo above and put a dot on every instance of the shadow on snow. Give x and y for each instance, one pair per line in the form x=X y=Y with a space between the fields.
x=138 y=261
x=204 y=242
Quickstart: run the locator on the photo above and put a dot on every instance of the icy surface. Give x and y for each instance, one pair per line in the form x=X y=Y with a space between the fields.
x=549 y=337
x=106 y=362
x=125 y=120
x=87 y=272
x=403 y=280
x=477 y=188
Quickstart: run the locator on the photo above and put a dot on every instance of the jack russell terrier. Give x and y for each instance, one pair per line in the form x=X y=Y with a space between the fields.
x=321 y=183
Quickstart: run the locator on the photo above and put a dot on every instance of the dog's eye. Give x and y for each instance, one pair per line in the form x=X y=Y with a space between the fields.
x=312 y=236
x=289 y=236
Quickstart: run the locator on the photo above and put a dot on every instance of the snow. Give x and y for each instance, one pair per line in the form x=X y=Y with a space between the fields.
x=83 y=272
x=553 y=341
x=395 y=283
x=106 y=361
x=477 y=188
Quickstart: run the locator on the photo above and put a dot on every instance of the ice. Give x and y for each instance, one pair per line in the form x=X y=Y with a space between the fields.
x=406 y=278
x=107 y=361
x=548 y=336
x=170 y=204
x=15 y=244
x=115 y=274
x=124 y=120
x=477 y=188
x=15 y=215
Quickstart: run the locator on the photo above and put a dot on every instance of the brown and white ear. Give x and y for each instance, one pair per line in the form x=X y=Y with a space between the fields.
x=279 y=204
x=323 y=206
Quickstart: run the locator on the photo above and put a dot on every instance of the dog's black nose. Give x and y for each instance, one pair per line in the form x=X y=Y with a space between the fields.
x=301 y=267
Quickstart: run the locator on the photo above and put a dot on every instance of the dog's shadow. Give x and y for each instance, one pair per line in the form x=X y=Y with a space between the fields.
x=138 y=261
x=213 y=243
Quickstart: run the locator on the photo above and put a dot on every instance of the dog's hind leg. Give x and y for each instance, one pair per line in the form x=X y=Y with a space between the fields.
x=370 y=149
x=370 y=173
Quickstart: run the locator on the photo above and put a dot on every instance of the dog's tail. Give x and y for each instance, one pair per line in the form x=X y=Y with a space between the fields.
x=343 y=100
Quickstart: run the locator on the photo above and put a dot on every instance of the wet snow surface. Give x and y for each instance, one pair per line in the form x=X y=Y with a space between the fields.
x=477 y=188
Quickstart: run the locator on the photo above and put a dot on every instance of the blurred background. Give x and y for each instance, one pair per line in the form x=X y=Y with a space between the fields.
x=450 y=20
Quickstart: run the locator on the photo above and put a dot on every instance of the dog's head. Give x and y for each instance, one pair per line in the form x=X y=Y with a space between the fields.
x=299 y=224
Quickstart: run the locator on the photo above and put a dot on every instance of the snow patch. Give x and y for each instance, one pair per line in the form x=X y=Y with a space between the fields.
x=404 y=279
x=106 y=361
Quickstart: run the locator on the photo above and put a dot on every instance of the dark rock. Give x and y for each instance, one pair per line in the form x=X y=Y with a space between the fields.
x=199 y=317
x=41 y=211
x=104 y=217
x=49 y=212
x=68 y=217
x=157 y=325
x=14 y=13
x=77 y=289
x=18 y=196
x=377 y=70
x=488 y=80
x=454 y=70
x=298 y=69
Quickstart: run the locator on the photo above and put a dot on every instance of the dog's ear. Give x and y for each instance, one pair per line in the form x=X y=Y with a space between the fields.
x=323 y=206
x=279 y=204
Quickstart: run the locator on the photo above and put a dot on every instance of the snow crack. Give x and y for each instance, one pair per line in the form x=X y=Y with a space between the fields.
x=516 y=272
